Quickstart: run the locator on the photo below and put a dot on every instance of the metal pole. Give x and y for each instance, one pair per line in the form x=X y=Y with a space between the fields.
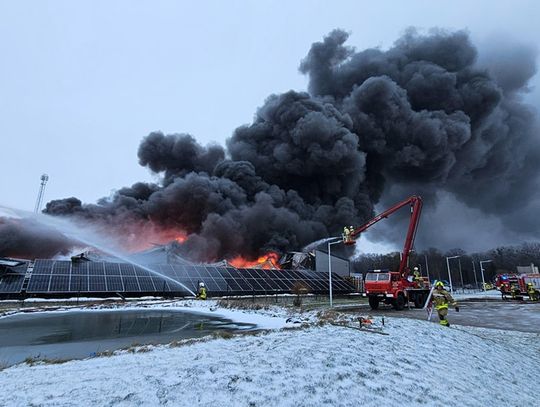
x=461 y=275
x=330 y=271
x=329 y=275
x=427 y=268
x=474 y=272
x=449 y=275
x=44 y=178
x=482 y=272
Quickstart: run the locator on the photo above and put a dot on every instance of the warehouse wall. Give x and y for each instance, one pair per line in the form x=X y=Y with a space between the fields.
x=340 y=266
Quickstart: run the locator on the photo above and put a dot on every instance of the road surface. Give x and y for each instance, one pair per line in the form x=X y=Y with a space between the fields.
x=515 y=316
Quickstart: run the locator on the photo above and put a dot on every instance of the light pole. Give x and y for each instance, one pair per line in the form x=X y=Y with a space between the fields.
x=482 y=272
x=461 y=276
x=427 y=268
x=474 y=272
x=330 y=243
x=450 y=275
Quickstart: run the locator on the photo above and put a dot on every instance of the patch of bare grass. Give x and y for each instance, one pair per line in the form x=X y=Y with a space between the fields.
x=32 y=361
x=239 y=304
x=222 y=334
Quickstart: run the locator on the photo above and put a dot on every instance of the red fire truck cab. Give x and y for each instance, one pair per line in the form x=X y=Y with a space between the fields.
x=391 y=288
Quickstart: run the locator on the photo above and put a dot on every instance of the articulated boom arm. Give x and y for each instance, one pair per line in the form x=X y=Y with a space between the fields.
x=416 y=207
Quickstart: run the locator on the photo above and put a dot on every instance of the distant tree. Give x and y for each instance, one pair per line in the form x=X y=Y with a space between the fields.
x=503 y=259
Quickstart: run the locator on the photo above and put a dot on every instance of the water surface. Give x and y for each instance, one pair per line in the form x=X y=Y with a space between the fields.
x=81 y=334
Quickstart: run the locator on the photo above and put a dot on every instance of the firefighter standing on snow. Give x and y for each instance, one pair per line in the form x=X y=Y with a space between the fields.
x=441 y=300
x=201 y=295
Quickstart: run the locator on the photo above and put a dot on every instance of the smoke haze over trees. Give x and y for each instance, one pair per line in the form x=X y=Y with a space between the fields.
x=425 y=117
x=504 y=259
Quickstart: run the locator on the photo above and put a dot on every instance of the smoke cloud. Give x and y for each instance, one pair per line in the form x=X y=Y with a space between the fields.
x=25 y=238
x=423 y=117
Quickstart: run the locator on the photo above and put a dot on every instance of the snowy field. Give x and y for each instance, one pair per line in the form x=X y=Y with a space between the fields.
x=417 y=363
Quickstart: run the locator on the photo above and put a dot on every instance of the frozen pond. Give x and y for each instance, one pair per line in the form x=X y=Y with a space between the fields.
x=81 y=334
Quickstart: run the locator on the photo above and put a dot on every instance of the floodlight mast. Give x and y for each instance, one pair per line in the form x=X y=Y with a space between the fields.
x=44 y=178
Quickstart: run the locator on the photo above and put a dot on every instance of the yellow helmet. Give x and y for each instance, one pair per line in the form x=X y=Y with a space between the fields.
x=439 y=284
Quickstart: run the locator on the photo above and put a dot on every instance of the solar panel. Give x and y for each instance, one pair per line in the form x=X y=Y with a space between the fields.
x=97 y=283
x=190 y=271
x=61 y=267
x=131 y=284
x=188 y=283
x=39 y=283
x=146 y=284
x=77 y=284
x=59 y=283
x=96 y=269
x=114 y=283
x=240 y=279
x=142 y=272
x=127 y=269
x=80 y=268
x=165 y=269
x=11 y=283
x=43 y=266
x=112 y=269
x=161 y=284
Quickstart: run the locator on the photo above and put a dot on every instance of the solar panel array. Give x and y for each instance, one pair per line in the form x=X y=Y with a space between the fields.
x=54 y=276
x=245 y=281
x=50 y=276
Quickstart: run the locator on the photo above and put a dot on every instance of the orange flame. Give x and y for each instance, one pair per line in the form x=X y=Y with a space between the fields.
x=138 y=237
x=180 y=238
x=268 y=261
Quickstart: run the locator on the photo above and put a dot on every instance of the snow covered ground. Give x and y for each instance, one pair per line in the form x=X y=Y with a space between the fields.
x=417 y=363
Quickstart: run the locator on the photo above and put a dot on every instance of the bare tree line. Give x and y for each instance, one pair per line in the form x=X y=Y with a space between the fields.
x=504 y=259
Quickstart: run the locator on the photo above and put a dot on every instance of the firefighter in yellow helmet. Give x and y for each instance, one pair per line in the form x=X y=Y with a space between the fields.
x=515 y=291
x=418 y=280
x=532 y=292
x=201 y=294
x=346 y=233
x=441 y=300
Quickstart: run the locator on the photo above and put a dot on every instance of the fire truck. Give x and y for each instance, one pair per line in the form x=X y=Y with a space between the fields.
x=505 y=282
x=395 y=287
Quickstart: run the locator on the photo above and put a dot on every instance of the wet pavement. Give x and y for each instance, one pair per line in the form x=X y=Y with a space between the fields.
x=515 y=316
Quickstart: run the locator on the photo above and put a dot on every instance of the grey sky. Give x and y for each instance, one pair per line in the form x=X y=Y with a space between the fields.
x=82 y=82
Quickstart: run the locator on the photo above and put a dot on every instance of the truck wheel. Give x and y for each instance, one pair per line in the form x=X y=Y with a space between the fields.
x=373 y=302
x=399 y=302
x=419 y=301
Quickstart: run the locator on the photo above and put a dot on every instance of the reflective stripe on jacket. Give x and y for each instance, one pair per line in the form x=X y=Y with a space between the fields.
x=441 y=299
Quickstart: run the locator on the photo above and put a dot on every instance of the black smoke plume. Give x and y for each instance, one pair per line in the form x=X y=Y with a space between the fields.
x=26 y=239
x=422 y=117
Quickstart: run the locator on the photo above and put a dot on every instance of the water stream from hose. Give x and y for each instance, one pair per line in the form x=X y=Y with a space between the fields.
x=88 y=236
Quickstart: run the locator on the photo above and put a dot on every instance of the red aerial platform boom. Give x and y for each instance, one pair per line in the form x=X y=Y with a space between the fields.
x=416 y=207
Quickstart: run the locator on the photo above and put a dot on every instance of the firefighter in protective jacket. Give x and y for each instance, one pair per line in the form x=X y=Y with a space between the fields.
x=515 y=291
x=418 y=280
x=441 y=300
x=532 y=292
x=201 y=295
